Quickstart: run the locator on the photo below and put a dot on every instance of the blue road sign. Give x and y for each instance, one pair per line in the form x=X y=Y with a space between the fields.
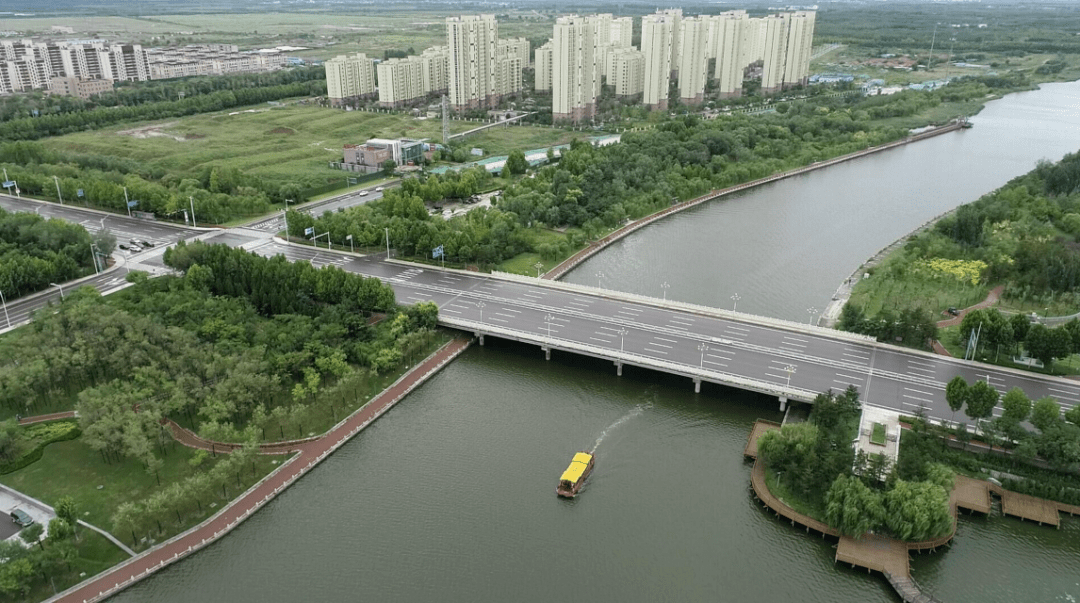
x=9 y=183
x=80 y=192
x=310 y=230
x=132 y=203
x=437 y=252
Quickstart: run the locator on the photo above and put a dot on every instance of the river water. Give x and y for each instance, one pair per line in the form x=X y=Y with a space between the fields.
x=450 y=496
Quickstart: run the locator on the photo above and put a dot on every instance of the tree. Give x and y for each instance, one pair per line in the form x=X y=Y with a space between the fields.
x=59 y=529
x=1017 y=405
x=917 y=510
x=67 y=509
x=956 y=394
x=1020 y=326
x=852 y=507
x=32 y=533
x=105 y=242
x=981 y=399
x=516 y=162
x=388 y=167
x=1045 y=413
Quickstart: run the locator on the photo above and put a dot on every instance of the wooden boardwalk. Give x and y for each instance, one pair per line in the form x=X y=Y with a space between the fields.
x=877 y=553
x=760 y=427
x=1028 y=507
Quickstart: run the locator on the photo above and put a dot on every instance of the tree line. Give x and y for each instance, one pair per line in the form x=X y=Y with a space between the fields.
x=35 y=252
x=36 y=561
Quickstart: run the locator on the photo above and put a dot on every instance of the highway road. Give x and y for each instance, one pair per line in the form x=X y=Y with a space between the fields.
x=714 y=345
x=547 y=314
x=276 y=223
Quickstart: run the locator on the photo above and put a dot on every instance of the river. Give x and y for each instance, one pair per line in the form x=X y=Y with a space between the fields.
x=450 y=496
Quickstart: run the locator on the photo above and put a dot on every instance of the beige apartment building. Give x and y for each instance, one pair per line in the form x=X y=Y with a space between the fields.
x=657 y=33
x=349 y=77
x=75 y=86
x=481 y=70
x=401 y=81
x=627 y=72
x=543 y=67
x=692 y=61
x=576 y=67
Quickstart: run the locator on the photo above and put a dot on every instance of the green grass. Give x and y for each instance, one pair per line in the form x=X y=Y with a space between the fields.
x=878 y=435
x=525 y=263
x=889 y=288
x=291 y=143
x=83 y=470
x=781 y=492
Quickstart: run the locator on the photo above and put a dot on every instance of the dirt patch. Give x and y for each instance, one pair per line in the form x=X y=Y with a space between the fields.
x=282 y=131
x=194 y=136
x=155 y=131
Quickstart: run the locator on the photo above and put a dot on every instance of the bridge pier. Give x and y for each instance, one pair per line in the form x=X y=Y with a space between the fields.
x=783 y=403
x=618 y=368
x=697 y=385
x=547 y=353
x=480 y=336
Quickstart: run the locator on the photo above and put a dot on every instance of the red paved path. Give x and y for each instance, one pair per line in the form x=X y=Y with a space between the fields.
x=310 y=453
x=991 y=299
x=56 y=416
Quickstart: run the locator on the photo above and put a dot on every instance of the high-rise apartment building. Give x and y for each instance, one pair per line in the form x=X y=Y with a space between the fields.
x=517 y=47
x=576 y=67
x=349 y=77
x=401 y=81
x=622 y=32
x=29 y=65
x=692 y=61
x=800 y=40
x=730 y=33
x=543 y=67
x=627 y=72
x=675 y=15
x=435 y=67
x=656 y=40
x=481 y=70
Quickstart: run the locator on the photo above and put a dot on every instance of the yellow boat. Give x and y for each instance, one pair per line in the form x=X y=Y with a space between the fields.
x=574 y=476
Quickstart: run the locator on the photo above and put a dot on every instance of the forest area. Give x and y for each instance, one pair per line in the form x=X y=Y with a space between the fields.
x=35 y=251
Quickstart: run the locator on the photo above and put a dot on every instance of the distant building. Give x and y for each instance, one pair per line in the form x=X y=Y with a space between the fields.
x=622 y=32
x=692 y=61
x=657 y=33
x=401 y=81
x=349 y=78
x=575 y=80
x=212 y=59
x=627 y=73
x=74 y=86
x=543 y=67
x=28 y=65
x=482 y=69
x=370 y=156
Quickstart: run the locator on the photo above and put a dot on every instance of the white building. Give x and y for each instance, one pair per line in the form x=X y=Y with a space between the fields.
x=401 y=81
x=627 y=72
x=656 y=42
x=622 y=32
x=729 y=41
x=543 y=67
x=786 y=55
x=576 y=68
x=481 y=70
x=692 y=61
x=349 y=77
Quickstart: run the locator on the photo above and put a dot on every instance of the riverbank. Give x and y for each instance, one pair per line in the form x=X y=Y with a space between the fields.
x=308 y=456
x=574 y=260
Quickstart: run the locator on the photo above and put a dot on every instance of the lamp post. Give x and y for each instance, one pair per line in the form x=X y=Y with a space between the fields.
x=6 y=315
x=127 y=202
x=191 y=200
x=285 y=214
x=790 y=371
x=349 y=239
x=547 y=319
x=61 y=197
x=387 y=229
x=622 y=338
x=703 y=347
x=94 y=256
x=61 y=290
x=480 y=305
x=599 y=279
x=538 y=266
x=735 y=302
x=811 y=311
x=664 y=285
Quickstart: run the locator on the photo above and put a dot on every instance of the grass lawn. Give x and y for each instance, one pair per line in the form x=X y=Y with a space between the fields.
x=885 y=289
x=802 y=506
x=525 y=263
x=291 y=143
x=878 y=435
x=83 y=470
x=1062 y=366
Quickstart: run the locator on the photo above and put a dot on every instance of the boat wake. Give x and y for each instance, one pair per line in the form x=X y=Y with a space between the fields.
x=637 y=410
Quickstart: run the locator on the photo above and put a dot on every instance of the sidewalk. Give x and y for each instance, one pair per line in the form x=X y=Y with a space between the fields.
x=310 y=454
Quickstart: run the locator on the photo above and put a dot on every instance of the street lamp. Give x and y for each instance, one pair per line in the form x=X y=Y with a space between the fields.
x=622 y=338
x=599 y=278
x=349 y=239
x=703 y=347
x=94 y=252
x=387 y=229
x=664 y=285
x=547 y=319
x=538 y=266
x=735 y=302
x=811 y=311
x=61 y=290
x=6 y=315
x=285 y=214
x=61 y=197
x=480 y=305
x=791 y=371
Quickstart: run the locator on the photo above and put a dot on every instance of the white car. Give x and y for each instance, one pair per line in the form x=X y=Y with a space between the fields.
x=363 y=193
x=378 y=189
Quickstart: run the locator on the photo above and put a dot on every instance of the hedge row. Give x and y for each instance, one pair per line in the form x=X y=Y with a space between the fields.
x=58 y=431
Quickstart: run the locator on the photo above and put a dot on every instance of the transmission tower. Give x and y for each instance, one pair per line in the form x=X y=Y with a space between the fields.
x=445 y=121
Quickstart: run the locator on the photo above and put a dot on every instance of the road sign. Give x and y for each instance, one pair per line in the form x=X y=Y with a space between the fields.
x=437 y=252
x=80 y=192
x=9 y=183
x=348 y=238
x=310 y=230
x=132 y=203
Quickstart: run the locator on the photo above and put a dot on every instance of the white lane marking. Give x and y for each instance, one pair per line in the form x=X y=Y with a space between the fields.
x=558 y=319
x=782 y=362
x=781 y=377
x=598 y=339
x=450 y=311
x=850 y=377
x=493 y=319
x=844 y=383
x=575 y=304
x=918 y=398
x=530 y=295
x=512 y=310
x=736 y=328
x=927 y=371
x=794 y=345
x=919 y=391
x=860 y=357
x=631 y=309
x=626 y=313
x=421 y=294
x=929 y=364
x=660 y=345
x=1061 y=391
x=681 y=322
x=715 y=363
x=538 y=291
x=735 y=335
x=506 y=315
x=912 y=405
x=990 y=377
x=583 y=300
x=718 y=356
x=656 y=351
x=457 y=306
x=666 y=339
x=610 y=329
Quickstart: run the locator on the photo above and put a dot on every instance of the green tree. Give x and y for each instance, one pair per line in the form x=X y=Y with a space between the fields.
x=852 y=507
x=31 y=534
x=1045 y=413
x=67 y=509
x=388 y=167
x=1017 y=405
x=981 y=399
x=516 y=162
x=956 y=394
x=917 y=510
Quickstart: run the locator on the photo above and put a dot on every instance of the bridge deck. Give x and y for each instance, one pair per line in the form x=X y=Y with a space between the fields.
x=1029 y=507
x=972 y=494
x=878 y=553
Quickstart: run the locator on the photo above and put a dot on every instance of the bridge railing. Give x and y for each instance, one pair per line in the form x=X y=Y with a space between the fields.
x=631 y=358
x=789 y=325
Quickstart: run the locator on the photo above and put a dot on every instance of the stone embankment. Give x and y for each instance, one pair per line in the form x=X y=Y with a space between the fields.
x=579 y=257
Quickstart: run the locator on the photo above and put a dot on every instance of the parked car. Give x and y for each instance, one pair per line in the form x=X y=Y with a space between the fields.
x=953 y=311
x=146 y=244
x=21 y=517
x=135 y=249
x=124 y=247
